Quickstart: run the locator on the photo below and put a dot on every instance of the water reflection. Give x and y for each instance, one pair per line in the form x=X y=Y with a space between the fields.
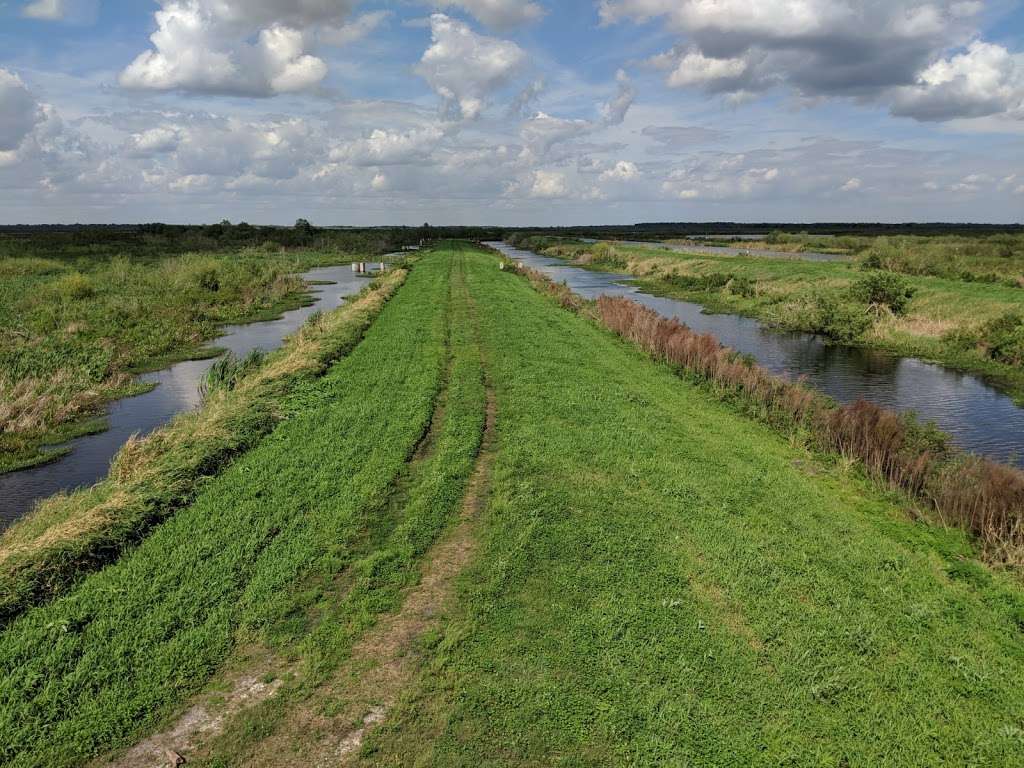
x=979 y=418
x=177 y=391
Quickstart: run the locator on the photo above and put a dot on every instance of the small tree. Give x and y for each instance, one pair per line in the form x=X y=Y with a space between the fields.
x=303 y=225
x=884 y=289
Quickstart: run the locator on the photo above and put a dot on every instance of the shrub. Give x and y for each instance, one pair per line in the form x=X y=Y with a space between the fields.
x=743 y=286
x=884 y=289
x=75 y=287
x=842 y=321
x=1000 y=339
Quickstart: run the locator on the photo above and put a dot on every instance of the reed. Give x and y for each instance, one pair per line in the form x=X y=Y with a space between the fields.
x=976 y=494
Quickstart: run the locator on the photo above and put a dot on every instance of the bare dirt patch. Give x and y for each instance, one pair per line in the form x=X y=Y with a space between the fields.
x=206 y=717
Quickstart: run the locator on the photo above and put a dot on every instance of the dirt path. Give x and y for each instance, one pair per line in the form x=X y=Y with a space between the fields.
x=254 y=679
x=361 y=695
x=384 y=662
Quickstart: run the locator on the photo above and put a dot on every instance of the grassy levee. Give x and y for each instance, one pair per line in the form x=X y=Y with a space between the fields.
x=664 y=581
x=969 y=326
x=424 y=501
x=297 y=546
x=68 y=536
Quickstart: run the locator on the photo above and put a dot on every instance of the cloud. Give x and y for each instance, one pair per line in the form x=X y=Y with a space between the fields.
x=465 y=68
x=672 y=139
x=499 y=14
x=19 y=111
x=45 y=10
x=614 y=112
x=549 y=184
x=523 y=103
x=895 y=52
x=851 y=185
x=236 y=47
x=355 y=30
x=153 y=142
x=624 y=170
x=984 y=80
x=694 y=68
x=542 y=131
x=384 y=147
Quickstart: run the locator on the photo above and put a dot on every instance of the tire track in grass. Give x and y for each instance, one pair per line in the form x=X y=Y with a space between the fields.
x=330 y=728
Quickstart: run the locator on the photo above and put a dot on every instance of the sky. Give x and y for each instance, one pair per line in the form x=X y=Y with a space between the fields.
x=511 y=112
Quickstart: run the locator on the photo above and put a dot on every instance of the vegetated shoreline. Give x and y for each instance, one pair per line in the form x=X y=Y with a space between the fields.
x=654 y=577
x=70 y=535
x=655 y=272
x=295 y=550
x=93 y=421
x=976 y=494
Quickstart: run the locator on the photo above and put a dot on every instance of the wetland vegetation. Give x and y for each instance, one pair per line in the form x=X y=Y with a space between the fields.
x=472 y=519
x=956 y=300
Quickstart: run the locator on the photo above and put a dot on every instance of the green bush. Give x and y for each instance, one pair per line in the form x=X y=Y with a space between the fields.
x=1000 y=339
x=743 y=286
x=830 y=315
x=884 y=289
x=75 y=287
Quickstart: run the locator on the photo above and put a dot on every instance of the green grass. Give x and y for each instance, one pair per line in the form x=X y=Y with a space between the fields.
x=663 y=582
x=252 y=560
x=69 y=535
x=791 y=293
x=658 y=579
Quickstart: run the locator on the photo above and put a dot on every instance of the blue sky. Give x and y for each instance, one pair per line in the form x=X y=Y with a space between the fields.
x=493 y=111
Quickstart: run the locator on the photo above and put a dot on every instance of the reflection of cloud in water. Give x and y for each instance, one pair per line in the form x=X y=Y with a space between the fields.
x=980 y=418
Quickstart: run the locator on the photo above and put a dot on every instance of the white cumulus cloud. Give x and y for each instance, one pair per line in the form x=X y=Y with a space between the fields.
x=549 y=184
x=237 y=47
x=986 y=79
x=464 y=67
x=20 y=113
x=895 y=52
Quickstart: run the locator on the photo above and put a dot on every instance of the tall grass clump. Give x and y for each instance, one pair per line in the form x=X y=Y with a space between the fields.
x=226 y=372
x=979 y=495
x=67 y=536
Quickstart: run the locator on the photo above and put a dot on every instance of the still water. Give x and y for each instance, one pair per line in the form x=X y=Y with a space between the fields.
x=177 y=391
x=980 y=418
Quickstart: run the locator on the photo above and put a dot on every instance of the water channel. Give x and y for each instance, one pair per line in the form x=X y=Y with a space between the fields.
x=980 y=418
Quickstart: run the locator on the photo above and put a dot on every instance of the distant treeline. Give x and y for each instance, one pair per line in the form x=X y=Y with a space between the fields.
x=659 y=231
x=55 y=240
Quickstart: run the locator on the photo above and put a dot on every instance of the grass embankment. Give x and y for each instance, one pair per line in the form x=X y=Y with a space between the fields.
x=970 y=326
x=664 y=582
x=73 y=330
x=658 y=579
x=69 y=535
x=296 y=547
